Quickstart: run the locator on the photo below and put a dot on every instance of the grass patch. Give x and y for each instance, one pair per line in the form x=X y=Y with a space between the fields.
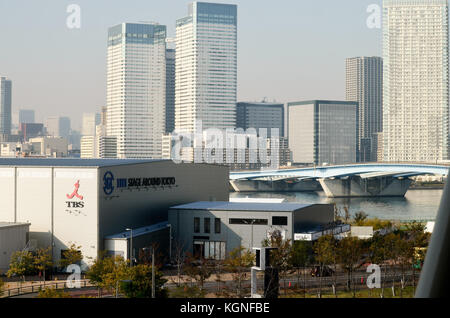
x=408 y=292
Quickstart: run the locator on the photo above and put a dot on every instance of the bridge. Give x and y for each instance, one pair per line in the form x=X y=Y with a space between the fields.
x=353 y=180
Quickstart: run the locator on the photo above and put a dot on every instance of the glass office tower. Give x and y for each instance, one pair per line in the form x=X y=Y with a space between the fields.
x=206 y=67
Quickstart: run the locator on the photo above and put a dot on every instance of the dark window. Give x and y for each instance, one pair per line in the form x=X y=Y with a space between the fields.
x=279 y=220
x=217 y=225
x=196 y=237
x=199 y=249
x=249 y=221
x=207 y=225
x=196 y=225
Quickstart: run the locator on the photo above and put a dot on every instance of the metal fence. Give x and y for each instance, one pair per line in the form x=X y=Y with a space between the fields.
x=35 y=288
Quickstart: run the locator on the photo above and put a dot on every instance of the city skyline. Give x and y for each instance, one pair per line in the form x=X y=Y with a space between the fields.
x=76 y=62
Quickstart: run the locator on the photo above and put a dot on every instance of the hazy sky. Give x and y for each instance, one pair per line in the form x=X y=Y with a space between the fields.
x=287 y=49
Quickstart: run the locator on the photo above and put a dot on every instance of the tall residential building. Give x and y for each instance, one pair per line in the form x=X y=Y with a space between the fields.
x=323 y=131
x=90 y=120
x=416 y=80
x=5 y=106
x=26 y=116
x=170 y=86
x=136 y=88
x=364 y=84
x=206 y=67
x=260 y=115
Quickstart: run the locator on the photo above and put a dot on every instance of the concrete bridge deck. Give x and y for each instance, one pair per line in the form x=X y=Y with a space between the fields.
x=352 y=180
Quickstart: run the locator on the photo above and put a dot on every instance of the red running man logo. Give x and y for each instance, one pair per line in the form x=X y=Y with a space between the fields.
x=75 y=192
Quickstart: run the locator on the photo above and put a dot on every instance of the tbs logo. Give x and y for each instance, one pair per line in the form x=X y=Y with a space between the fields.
x=75 y=194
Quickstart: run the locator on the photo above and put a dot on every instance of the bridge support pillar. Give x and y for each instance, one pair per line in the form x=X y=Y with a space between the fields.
x=371 y=187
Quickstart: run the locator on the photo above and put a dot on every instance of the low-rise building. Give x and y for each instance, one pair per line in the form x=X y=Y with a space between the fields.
x=13 y=238
x=213 y=229
x=50 y=146
x=362 y=232
x=84 y=201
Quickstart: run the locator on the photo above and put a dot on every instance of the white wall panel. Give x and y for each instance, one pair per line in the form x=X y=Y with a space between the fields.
x=75 y=219
x=34 y=188
x=7 y=188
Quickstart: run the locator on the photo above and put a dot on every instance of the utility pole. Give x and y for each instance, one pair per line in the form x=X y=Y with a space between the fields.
x=131 y=245
x=153 y=272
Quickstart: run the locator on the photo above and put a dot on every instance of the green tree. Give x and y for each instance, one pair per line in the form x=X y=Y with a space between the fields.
x=281 y=255
x=350 y=250
x=43 y=260
x=140 y=285
x=325 y=255
x=419 y=240
x=378 y=254
x=179 y=257
x=108 y=272
x=115 y=270
x=416 y=233
x=405 y=254
x=21 y=264
x=96 y=270
x=52 y=293
x=300 y=258
x=2 y=286
x=360 y=217
x=218 y=273
x=392 y=241
x=238 y=263
x=199 y=269
x=71 y=256
x=377 y=224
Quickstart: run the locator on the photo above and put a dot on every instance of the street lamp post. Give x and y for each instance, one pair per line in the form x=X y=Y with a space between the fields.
x=170 y=242
x=131 y=245
x=251 y=223
x=153 y=270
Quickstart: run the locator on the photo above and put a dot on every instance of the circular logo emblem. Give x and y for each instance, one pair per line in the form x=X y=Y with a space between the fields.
x=108 y=186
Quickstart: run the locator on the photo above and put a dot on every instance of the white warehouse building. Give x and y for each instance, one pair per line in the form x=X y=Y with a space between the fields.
x=86 y=201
